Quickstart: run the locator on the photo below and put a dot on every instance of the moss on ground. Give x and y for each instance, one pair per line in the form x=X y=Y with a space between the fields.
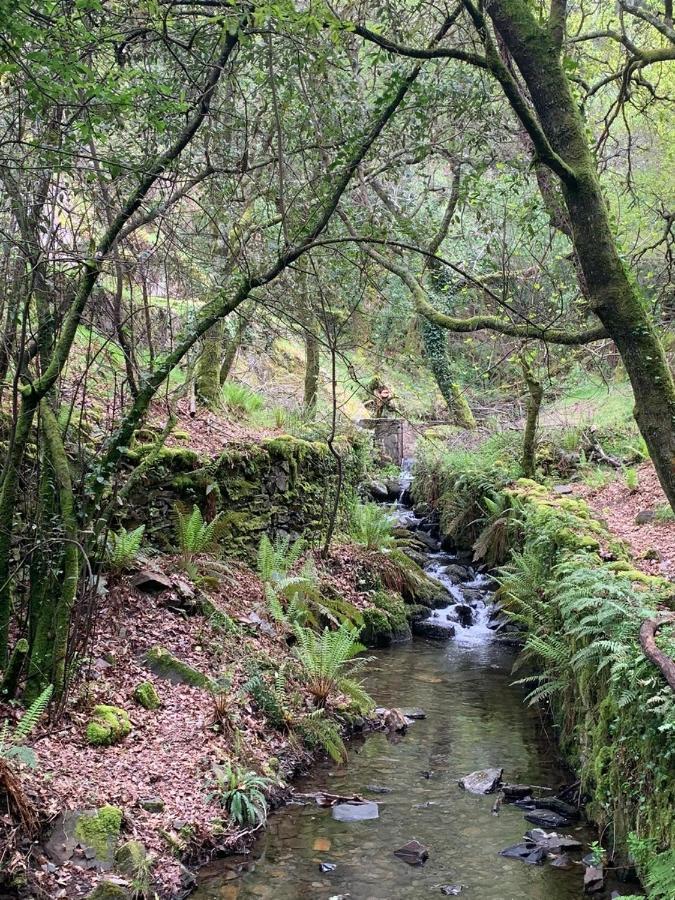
x=146 y=695
x=100 y=831
x=110 y=725
x=166 y=665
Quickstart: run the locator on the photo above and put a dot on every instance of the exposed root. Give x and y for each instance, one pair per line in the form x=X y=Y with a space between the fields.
x=648 y=631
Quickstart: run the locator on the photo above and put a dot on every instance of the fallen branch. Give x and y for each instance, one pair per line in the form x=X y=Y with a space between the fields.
x=648 y=631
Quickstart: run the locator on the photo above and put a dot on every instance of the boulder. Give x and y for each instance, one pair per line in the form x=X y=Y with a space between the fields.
x=645 y=516
x=151 y=582
x=472 y=595
x=457 y=574
x=413 y=712
x=594 y=880
x=85 y=837
x=145 y=694
x=464 y=615
x=559 y=806
x=516 y=791
x=109 y=726
x=484 y=781
x=378 y=490
x=433 y=630
x=563 y=489
x=131 y=860
x=355 y=812
x=413 y=853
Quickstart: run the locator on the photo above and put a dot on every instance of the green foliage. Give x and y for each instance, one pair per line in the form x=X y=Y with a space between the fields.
x=371 y=525
x=241 y=399
x=124 y=547
x=598 y=478
x=12 y=740
x=657 y=867
x=275 y=560
x=194 y=535
x=503 y=522
x=242 y=793
x=664 y=513
x=632 y=479
x=321 y=733
x=328 y=664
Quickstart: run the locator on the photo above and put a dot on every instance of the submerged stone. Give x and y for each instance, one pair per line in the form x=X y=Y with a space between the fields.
x=594 y=880
x=413 y=853
x=451 y=890
x=552 y=841
x=432 y=630
x=413 y=712
x=355 y=812
x=483 y=781
x=548 y=819
x=514 y=792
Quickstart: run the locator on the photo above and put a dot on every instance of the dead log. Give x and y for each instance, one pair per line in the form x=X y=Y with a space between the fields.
x=648 y=631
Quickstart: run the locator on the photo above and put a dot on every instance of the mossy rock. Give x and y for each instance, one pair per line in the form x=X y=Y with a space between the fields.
x=109 y=890
x=110 y=725
x=99 y=832
x=165 y=665
x=376 y=628
x=145 y=694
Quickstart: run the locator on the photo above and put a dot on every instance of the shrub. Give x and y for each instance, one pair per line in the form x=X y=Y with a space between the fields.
x=12 y=740
x=124 y=547
x=241 y=793
x=328 y=664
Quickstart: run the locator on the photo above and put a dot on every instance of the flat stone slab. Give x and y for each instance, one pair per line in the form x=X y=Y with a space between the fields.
x=551 y=841
x=413 y=853
x=532 y=856
x=451 y=890
x=355 y=812
x=484 y=781
x=545 y=818
x=516 y=791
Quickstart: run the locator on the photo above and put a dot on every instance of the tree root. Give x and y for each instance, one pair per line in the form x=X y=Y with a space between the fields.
x=648 y=631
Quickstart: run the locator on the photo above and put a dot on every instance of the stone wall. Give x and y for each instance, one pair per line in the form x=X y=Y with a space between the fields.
x=281 y=485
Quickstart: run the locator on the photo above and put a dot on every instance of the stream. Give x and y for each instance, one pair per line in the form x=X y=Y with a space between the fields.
x=475 y=718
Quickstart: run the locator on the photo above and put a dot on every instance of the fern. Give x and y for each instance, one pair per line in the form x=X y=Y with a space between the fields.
x=194 y=535
x=320 y=732
x=328 y=664
x=11 y=740
x=242 y=794
x=124 y=547
x=277 y=559
x=371 y=526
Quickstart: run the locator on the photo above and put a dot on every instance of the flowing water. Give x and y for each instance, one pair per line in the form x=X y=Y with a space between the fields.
x=475 y=718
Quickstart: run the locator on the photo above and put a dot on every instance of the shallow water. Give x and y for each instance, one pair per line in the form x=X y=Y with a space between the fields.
x=475 y=719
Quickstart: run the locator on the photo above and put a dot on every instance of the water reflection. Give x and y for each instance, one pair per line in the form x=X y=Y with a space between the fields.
x=475 y=719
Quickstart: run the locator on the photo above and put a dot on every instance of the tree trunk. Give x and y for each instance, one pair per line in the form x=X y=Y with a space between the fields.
x=207 y=377
x=612 y=290
x=436 y=353
x=536 y=395
x=232 y=349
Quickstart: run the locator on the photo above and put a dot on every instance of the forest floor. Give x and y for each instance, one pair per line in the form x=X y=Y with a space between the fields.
x=172 y=752
x=651 y=542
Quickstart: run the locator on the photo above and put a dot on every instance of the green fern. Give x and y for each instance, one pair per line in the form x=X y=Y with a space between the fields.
x=124 y=547
x=320 y=732
x=194 y=535
x=241 y=793
x=328 y=664
x=372 y=526
x=277 y=559
x=12 y=740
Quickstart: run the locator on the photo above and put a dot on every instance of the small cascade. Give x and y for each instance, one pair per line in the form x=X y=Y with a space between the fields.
x=470 y=611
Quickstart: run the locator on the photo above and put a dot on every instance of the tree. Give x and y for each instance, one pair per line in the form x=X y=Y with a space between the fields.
x=525 y=56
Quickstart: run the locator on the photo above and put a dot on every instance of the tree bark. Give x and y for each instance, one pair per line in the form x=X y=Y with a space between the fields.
x=536 y=395
x=435 y=340
x=613 y=293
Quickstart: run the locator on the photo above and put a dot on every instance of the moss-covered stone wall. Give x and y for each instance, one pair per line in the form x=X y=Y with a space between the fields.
x=280 y=485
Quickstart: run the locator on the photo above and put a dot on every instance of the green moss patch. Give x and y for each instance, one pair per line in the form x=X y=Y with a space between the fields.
x=165 y=665
x=145 y=694
x=110 y=725
x=100 y=831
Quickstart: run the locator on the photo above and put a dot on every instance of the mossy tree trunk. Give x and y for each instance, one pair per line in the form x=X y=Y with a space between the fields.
x=535 y=396
x=614 y=295
x=435 y=341
x=207 y=376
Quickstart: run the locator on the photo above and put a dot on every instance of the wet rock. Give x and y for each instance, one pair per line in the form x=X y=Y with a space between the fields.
x=426 y=540
x=413 y=853
x=416 y=556
x=434 y=631
x=355 y=812
x=464 y=615
x=378 y=490
x=516 y=791
x=484 y=781
x=151 y=582
x=456 y=573
x=552 y=841
x=413 y=712
x=110 y=890
x=451 y=890
x=395 y=720
x=559 y=806
x=526 y=853
x=327 y=867
x=472 y=595
x=562 y=862
x=594 y=880
x=378 y=789
x=545 y=818
x=394 y=488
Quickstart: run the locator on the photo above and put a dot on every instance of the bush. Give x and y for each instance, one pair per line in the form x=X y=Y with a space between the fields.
x=329 y=666
x=371 y=525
